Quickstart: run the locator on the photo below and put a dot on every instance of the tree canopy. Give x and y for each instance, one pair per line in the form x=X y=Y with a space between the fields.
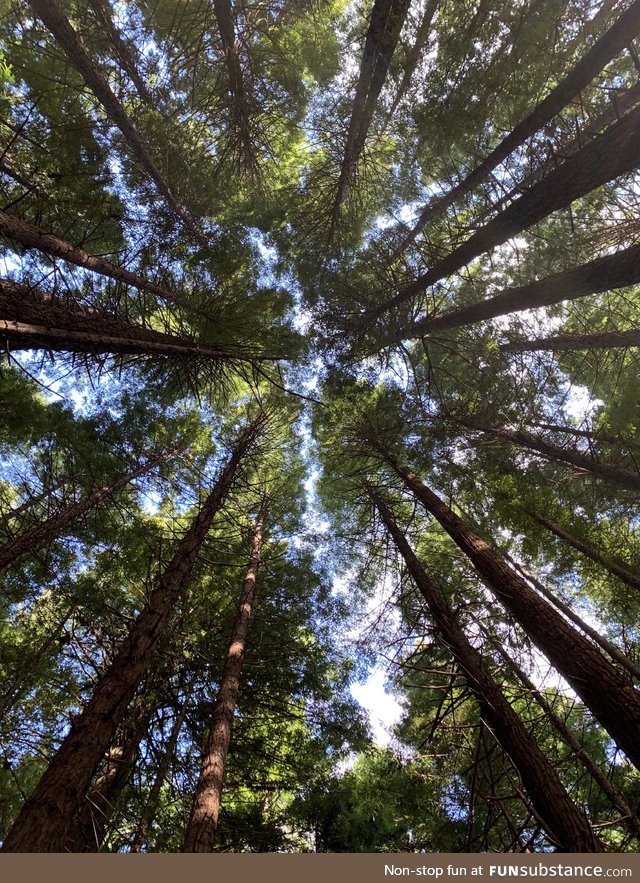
x=320 y=334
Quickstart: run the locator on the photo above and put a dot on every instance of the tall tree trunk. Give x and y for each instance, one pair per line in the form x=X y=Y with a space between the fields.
x=594 y=436
x=104 y=15
x=560 y=816
x=604 y=159
x=563 y=342
x=609 y=648
x=602 y=688
x=617 y=568
x=115 y=770
x=617 y=800
x=30 y=236
x=33 y=319
x=205 y=810
x=604 y=274
x=601 y=53
x=387 y=18
x=419 y=45
x=46 y=819
x=52 y=14
x=33 y=539
x=151 y=805
x=600 y=469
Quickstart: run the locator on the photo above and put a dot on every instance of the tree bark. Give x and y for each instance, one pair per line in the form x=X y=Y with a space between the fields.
x=602 y=688
x=419 y=45
x=32 y=319
x=205 y=810
x=598 y=468
x=604 y=274
x=616 y=568
x=616 y=799
x=52 y=14
x=601 y=53
x=594 y=436
x=103 y=14
x=30 y=236
x=387 y=18
x=565 y=342
x=609 y=648
x=604 y=159
x=150 y=807
x=46 y=819
x=560 y=816
x=31 y=540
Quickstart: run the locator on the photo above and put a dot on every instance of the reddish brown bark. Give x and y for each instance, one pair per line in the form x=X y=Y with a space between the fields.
x=205 y=810
x=604 y=274
x=602 y=52
x=52 y=14
x=612 y=154
x=32 y=319
x=30 y=236
x=31 y=540
x=602 y=687
x=560 y=816
x=46 y=820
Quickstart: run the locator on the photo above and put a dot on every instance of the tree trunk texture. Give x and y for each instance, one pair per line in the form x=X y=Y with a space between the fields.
x=29 y=236
x=564 y=342
x=31 y=540
x=52 y=14
x=601 y=53
x=124 y=51
x=205 y=810
x=97 y=809
x=594 y=436
x=419 y=45
x=604 y=159
x=387 y=18
x=617 y=568
x=32 y=319
x=562 y=819
x=604 y=274
x=609 y=648
x=602 y=688
x=600 y=469
x=151 y=805
x=45 y=823
x=617 y=800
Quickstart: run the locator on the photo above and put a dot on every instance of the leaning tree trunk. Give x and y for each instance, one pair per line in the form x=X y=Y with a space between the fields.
x=52 y=14
x=606 y=158
x=413 y=57
x=567 y=342
x=46 y=819
x=387 y=18
x=616 y=799
x=104 y=15
x=602 y=52
x=598 y=468
x=33 y=319
x=601 y=686
x=616 y=568
x=151 y=805
x=561 y=817
x=33 y=539
x=609 y=648
x=29 y=236
x=205 y=810
x=594 y=436
x=604 y=274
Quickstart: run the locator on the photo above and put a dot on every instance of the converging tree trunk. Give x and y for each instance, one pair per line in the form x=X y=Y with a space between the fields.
x=52 y=14
x=205 y=810
x=604 y=274
x=604 y=159
x=563 y=342
x=561 y=817
x=104 y=14
x=601 y=53
x=33 y=539
x=46 y=819
x=602 y=687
